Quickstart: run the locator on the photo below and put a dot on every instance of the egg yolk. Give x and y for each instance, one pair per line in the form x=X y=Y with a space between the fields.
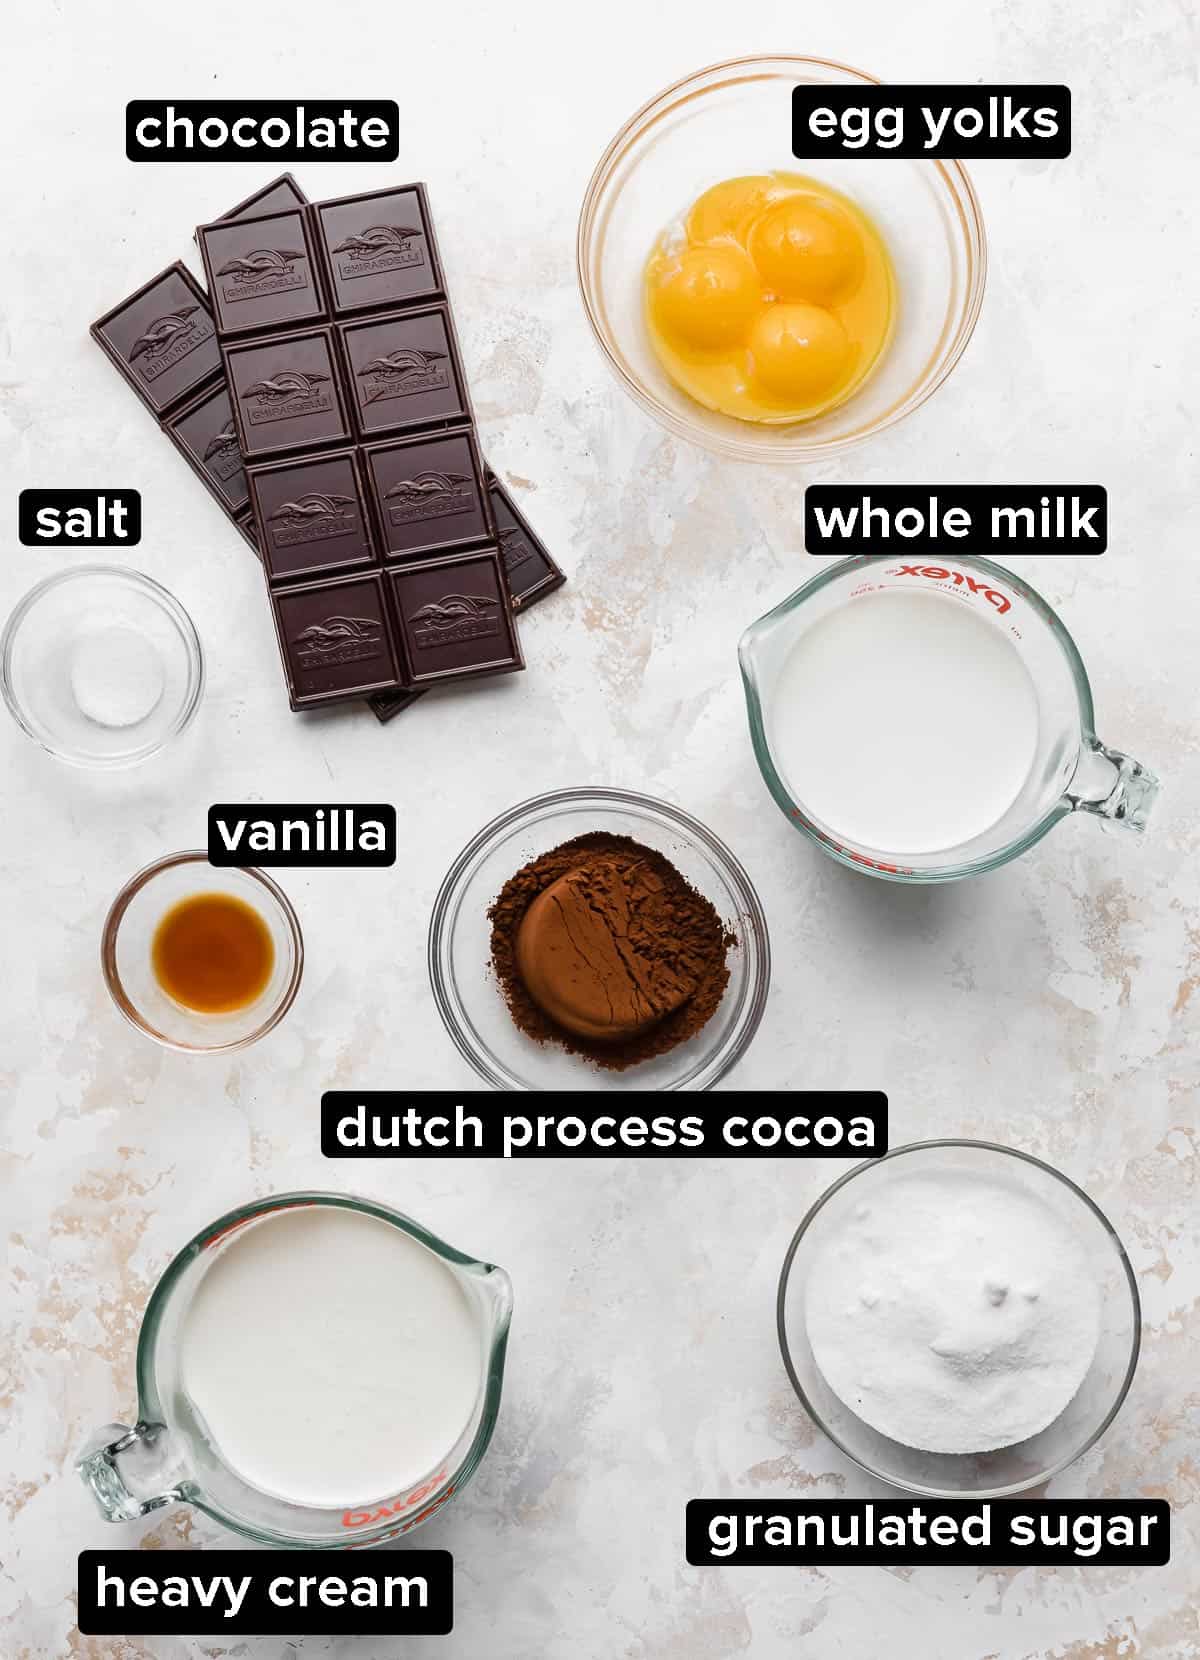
x=708 y=296
x=729 y=208
x=772 y=299
x=809 y=250
x=798 y=352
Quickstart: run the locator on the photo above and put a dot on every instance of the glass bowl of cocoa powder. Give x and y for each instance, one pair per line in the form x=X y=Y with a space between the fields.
x=485 y=1013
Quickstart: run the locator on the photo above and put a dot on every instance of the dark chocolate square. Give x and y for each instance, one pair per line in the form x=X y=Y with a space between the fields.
x=262 y=272
x=162 y=338
x=280 y=194
x=429 y=493
x=404 y=371
x=286 y=394
x=531 y=572
x=311 y=514
x=455 y=618
x=206 y=433
x=378 y=249
x=334 y=639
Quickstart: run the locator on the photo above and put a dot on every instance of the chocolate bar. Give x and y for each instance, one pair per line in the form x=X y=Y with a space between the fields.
x=163 y=340
x=369 y=496
x=367 y=264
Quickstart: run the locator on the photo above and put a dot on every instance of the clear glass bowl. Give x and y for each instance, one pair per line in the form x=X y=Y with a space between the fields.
x=125 y=958
x=101 y=666
x=1007 y=1470
x=465 y=988
x=736 y=118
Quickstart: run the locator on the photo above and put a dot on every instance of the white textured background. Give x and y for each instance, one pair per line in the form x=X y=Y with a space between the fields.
x=1052 y=1005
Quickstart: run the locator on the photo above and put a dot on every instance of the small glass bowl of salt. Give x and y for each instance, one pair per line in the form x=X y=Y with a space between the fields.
x=101 y=666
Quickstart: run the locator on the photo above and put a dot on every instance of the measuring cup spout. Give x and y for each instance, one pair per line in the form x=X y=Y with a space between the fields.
x=1116 y=788
x=130 y=1472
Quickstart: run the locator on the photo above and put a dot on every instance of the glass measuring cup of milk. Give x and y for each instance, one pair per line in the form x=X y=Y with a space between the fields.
x=171 y=1455
x=923 y=722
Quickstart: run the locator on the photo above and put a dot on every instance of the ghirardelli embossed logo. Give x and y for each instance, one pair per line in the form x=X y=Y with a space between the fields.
x=378 y=248
x=313 y=517
x=514 y=549
x=265 y=271
x=403 y=372
x=339 y=640
x=168 y=339
x=287 y=394
x=453 y=618
x=221 y=454
x=428 y=495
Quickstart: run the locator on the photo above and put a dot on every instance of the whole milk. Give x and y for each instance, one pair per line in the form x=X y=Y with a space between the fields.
x=904 y=722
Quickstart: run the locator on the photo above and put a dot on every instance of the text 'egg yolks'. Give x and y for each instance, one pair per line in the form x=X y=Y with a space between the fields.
x=708 y=297
x=798 y=351
x=807 y=250
x=729 y=209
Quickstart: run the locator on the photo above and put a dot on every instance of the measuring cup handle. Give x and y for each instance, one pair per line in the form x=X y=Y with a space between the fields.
x=128 y=1471
x=1113 y=786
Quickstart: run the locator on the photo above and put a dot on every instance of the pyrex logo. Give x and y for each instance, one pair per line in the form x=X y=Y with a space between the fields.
x=940 y=573
x=397 y=1507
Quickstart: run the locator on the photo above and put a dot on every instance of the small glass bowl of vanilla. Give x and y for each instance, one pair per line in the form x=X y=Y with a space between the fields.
x=687 y=247
x=201 y=959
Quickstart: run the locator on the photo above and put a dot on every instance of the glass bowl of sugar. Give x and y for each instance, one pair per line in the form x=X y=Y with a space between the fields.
x=959 y=1318
x=101 y=666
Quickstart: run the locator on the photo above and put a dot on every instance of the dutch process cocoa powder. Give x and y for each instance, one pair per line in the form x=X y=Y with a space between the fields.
x=603 y=947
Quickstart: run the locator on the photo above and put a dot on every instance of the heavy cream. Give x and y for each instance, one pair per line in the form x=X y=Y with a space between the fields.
x=330 y=1357
x=953 y=1313
x=904 y=722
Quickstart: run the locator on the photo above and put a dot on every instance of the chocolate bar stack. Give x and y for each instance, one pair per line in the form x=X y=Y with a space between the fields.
x=322 y=400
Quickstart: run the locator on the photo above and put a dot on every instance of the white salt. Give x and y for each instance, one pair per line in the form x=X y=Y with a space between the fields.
x=116 y=676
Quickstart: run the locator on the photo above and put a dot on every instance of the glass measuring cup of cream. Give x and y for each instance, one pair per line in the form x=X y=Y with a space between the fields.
x=924 y=722
x=313 y=1370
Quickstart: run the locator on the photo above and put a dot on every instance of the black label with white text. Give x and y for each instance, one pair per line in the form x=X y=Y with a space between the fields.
x=79 y=518
x=987 y=518
x=1008 y=1533
x=127 y=1593
x=436 y=1123
x=945 y=123
x=258 y=130
x=273 y=833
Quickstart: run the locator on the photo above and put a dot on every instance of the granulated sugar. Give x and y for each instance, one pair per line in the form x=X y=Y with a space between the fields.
x=953 y=1313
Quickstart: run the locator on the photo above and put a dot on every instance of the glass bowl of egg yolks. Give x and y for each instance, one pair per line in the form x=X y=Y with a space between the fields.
x=769 y=309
